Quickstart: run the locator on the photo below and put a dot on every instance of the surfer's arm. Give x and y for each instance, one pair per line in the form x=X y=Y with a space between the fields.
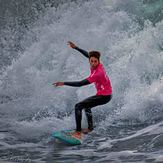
x=85 y=53
x=72 y=45
x=77 y=83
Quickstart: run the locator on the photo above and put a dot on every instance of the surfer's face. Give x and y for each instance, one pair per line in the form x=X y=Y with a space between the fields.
x=94 y=62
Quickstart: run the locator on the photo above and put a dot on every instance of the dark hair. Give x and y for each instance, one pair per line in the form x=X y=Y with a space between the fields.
x=95 y=54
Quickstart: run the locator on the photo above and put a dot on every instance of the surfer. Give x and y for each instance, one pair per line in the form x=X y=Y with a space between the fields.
x=103 y=86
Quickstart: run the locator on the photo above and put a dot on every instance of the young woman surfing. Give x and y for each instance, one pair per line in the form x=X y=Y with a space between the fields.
x=103 y=86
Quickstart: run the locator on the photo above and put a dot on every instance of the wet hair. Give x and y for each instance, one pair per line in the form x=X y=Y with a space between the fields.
x=95 y=54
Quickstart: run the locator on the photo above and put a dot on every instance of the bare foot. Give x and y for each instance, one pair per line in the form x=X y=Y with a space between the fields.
x=86 y=130
x=76 y=134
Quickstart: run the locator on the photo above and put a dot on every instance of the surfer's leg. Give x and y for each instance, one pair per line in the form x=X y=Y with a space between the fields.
x=78 y=116
x=88 y=114
x=86 y=104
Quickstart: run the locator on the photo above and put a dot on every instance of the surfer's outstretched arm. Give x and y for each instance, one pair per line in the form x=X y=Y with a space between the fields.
x=85 y=53
x=73 y=83
x=72 y=45
x=77 y=83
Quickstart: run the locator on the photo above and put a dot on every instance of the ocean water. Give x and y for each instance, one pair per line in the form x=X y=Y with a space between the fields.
x=34 y=54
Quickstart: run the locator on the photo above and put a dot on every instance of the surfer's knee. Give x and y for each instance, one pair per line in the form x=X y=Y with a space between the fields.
x=78 y=109
x=78 y=106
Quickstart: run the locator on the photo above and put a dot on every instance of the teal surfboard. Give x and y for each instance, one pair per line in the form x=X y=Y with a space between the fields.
x=65 y=136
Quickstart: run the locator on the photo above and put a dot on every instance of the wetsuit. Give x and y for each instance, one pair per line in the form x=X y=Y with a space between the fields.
x=103 y=95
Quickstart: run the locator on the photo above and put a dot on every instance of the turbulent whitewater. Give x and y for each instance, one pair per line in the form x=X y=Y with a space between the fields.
x=34 y=54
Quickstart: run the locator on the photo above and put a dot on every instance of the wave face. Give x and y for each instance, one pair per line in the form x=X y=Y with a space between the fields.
x=34 y=54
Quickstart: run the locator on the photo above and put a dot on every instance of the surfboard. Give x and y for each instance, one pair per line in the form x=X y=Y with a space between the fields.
x=65 y=136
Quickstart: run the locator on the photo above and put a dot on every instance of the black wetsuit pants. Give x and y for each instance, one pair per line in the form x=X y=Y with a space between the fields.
x=87 y=104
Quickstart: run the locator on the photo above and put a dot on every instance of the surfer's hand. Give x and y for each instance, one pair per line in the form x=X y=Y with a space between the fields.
x=58 y=84
x=71 y=44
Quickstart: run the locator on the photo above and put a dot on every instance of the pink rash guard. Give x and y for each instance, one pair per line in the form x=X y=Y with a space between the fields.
x=101 y=80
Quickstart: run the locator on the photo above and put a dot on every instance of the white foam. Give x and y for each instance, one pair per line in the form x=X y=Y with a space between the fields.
x=131 y=56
